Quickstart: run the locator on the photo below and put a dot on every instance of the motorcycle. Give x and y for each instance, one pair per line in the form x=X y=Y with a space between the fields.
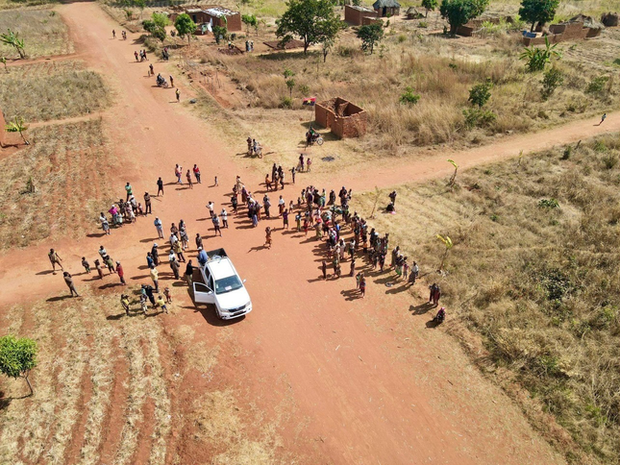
x=312 y=137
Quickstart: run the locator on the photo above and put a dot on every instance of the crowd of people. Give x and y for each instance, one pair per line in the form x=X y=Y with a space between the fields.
x=326 y=213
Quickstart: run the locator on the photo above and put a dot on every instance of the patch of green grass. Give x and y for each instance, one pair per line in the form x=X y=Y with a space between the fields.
x=48 y=91
x=43 y=31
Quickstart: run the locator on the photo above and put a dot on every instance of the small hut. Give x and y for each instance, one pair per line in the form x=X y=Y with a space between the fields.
x=386 y=7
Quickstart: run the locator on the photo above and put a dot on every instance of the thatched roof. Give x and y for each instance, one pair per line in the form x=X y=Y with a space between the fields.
x=385 y=4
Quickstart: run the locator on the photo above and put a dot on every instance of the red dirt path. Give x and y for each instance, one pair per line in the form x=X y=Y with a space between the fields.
x=365 y=380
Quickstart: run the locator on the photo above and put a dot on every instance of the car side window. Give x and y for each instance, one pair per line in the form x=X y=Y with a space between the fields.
x=211 y=283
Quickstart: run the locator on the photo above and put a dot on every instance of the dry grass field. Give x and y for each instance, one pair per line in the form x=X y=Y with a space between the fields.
x=440 y=70
x=537 y=282
x=51 y=90
x=43 y=31
x=105 y=390
x=67 y=164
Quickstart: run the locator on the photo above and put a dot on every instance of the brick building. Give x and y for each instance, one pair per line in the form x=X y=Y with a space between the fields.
x=342 y=117
x=217 y=16
x=359 y=15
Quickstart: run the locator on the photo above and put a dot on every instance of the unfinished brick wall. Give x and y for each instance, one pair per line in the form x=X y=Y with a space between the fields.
x=563 y=32
x=342 y=117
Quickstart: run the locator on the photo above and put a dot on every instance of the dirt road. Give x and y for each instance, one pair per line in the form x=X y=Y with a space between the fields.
x=343 y=380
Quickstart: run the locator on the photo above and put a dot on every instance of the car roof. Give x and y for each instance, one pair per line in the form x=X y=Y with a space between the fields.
x=221 y=268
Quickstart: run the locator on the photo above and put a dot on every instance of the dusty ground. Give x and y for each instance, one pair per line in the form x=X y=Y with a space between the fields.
x=313 y=375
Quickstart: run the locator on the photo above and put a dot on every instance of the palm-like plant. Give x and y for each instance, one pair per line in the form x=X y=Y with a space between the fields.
x=17 y=125
x=12 y=38
x=453 y=177
x=538 y=57
x=448 y=244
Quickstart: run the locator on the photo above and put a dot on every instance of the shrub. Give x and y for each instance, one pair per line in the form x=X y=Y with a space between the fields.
x=477 y=117
x=548 y=203
x=287 y=102
x=480 y=94
x=552 y=79
x=409 y=97
x=610 y=161
x=597 y=85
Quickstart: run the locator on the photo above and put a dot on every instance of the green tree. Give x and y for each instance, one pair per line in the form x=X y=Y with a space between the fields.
x=156 y=26
x=370 y=35
x=185 y=26
x=312 y=21
x=12 y=39
x=18 y=357
x=552 y=79
x=220 y=32
x=459 y=12
x=538 y=11
x=480 y=94
x=538 y=57
x=17 y=125
x=249 y=21
x=429 y=5
x=160 y=19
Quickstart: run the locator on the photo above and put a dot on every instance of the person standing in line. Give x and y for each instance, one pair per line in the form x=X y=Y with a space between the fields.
x=285 y=219
x=121 y=273
x=268 y=237
x=211 y=207
x=69 y=283
x=99 y=268
x=125 y=303
x=147 y=204
x=178 y=249
x=174 y=266
x=160 y=187
x=105 y=225
x=198 y=241
x=129 y=191
x=160 y=228
x=216 y=225
x=224 y=216
x=189 y=273
x=363 y=286
x=188 y=176
x=178 y=172
x=293 y=172
x=86 y=265
x=55 y=260
x=155 y=277
x=197 y=173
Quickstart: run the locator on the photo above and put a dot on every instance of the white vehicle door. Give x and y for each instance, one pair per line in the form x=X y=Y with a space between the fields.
x=202 y=294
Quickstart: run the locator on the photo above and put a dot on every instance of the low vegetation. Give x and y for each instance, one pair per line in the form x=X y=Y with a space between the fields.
x=43 y=32
x=67 y=164
x=532 y=270
x=49 y=91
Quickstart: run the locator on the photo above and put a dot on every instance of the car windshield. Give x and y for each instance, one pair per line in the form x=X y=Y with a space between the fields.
x=228 y=284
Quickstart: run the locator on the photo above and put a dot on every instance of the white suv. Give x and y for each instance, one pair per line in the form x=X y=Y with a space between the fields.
x=218 y=283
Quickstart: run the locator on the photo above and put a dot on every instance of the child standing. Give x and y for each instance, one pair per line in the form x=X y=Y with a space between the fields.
x=86 y=265
x=168 y=295
x=161 y=303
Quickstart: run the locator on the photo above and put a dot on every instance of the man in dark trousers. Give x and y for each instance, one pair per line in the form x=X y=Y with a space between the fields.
x=147 y=204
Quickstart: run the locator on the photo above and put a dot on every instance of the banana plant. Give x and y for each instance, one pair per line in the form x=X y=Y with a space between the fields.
x=17 y=125
x=447 y=242
x=453 y=177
